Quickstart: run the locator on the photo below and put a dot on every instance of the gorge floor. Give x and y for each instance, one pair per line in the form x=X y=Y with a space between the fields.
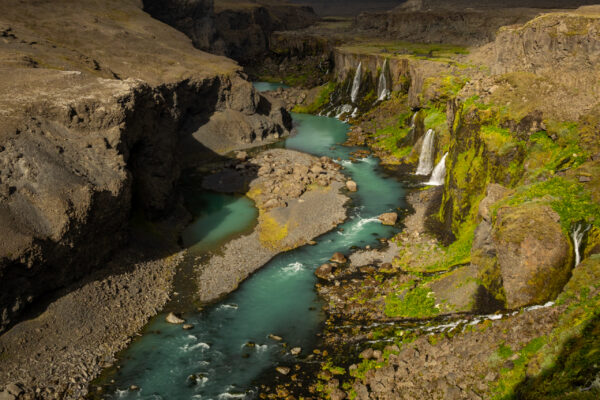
x=229 y=346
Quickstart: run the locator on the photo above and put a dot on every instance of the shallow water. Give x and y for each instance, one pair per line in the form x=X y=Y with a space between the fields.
x=266 y=86
x=280 y=298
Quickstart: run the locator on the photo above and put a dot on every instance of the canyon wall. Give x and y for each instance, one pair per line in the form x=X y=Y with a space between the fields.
x=232 y=28
x=88 y=134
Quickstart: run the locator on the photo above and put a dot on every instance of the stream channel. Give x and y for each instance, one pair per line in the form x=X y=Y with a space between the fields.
x=212 y=360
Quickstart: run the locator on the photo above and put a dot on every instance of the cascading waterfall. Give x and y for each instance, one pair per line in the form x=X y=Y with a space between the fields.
x=383 y=89
x=439 y=173
x=578 y=234
x=426 y=157
x=356 y=83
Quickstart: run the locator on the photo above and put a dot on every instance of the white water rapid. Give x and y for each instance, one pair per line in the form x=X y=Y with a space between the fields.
x=356 y=83
x=439 y=173
x=426 y=157
x=383 y=89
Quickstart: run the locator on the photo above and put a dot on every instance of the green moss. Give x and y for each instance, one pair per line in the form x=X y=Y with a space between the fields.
x=457 y=253
x=559 y=365
x=320 y=101
x=569 y=199
x=416 y=303
x=497 y=139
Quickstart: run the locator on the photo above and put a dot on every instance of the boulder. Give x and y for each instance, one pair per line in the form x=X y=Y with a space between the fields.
x=351 y=186
x=389 y=218
x=366 y=354
x=534 y=255
x=187 y=327
x=296 y=351
x=338 y=258
x=323 y=271
x=4 y=395
x=283 y=370
x=174 y=319
x=275 y=337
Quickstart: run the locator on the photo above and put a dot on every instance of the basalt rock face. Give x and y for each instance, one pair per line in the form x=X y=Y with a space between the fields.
x=87 y=133
x=555 y=40
x=232 y=28
x=466 y=27
x=195 y=18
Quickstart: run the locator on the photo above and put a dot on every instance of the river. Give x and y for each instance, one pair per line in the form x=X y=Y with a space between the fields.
x=229 y=346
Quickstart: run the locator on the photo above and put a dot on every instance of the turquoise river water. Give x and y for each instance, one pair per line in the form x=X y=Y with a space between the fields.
x=280 y=298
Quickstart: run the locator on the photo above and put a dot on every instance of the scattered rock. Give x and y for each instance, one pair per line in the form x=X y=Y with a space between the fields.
x=367 y=354
x=338 y=258
x=337 y=394
x=351 y=186
x=389 y=218
x=323 y=271
x=585 y=179
x=283 y=370
x=174 y=319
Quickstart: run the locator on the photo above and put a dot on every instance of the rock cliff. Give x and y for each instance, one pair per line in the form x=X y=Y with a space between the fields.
x=99 y=100
x=237 y=29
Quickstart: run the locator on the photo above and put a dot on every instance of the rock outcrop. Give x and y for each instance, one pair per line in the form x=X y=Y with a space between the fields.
x=236 y=29
x=87 y=132
x=534 y=256
x=461 y=22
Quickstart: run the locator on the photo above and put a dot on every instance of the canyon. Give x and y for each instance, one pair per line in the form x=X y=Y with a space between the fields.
x=488 y=116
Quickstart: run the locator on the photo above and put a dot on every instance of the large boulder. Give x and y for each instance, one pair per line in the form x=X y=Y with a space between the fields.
x=534 y=255
x=389 y=218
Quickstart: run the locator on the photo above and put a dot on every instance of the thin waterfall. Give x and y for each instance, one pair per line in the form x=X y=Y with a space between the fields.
x=356 y=83
x=413 y=120
x=439 y=173
x=578 y=235
x=383 y=89
x=426 y=156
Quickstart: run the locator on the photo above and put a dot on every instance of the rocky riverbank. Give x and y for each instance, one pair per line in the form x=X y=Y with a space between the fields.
x=490 y=292
x=64 y=344
x=298 y=198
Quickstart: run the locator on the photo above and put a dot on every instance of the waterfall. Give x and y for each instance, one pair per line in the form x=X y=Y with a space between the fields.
x=383 y=90
x=356 y=83
x=345 y=109
x=426 y=157
x=439 y=173
x=578 y=234
x=413 y=120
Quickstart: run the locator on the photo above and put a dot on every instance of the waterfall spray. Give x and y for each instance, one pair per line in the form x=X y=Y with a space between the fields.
x=439 y=173
x=383 y=90
x=356 y=83
x=578 y=234
x=426 y=156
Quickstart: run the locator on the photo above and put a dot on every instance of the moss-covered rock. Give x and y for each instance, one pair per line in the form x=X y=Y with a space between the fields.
x=534 y=255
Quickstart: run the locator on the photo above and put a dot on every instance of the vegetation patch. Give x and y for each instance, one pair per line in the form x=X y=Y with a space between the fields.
x=271 y=233
x=569 y=199
x=321 y=100
x=416 y=303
